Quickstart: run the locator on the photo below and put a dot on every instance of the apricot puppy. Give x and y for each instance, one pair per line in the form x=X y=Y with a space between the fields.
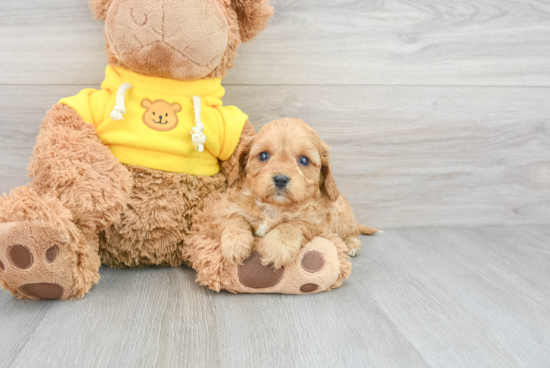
x=282 y=192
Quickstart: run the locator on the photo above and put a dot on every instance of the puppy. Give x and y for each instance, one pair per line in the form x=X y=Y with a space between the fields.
x=282 y=191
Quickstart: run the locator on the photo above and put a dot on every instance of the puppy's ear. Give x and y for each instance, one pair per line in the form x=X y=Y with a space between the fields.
x=100 y=8
x=253 y=16
x=234 y=167
x=328 y=184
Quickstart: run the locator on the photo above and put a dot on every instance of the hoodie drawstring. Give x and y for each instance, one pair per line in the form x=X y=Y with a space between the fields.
x=197 y=132
x=120 y=108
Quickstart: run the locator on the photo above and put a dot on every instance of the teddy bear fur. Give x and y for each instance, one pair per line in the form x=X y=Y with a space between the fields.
x=246 y=19
x=85 y=208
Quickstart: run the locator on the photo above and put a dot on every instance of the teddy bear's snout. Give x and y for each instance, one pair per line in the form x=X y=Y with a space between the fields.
x=181 y=39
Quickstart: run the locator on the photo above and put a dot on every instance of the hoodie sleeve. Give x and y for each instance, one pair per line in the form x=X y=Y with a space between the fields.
x=90 y=104
x=230 y=130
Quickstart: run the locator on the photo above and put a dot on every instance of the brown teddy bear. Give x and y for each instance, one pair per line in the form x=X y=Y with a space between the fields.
x=119 y=173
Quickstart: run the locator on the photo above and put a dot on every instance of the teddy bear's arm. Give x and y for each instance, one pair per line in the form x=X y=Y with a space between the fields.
x=71 y=163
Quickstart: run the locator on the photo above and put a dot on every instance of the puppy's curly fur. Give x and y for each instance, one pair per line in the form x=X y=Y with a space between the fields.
x=284 y=217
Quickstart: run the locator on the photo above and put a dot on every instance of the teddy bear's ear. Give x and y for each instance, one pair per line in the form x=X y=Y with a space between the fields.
x=100 y=8
x=253 y=16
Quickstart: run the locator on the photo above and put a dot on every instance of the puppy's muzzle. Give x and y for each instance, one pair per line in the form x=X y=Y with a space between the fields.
x=281 y=181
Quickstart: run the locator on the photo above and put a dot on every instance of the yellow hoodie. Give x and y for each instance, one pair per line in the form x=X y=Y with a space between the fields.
x=159 y=117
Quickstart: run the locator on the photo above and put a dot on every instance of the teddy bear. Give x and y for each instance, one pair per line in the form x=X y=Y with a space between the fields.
x=119 y=173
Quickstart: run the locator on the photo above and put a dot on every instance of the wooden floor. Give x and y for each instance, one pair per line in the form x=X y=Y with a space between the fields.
x=417 y=298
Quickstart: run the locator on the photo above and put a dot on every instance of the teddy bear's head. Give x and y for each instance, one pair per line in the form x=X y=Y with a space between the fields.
x=179 y=39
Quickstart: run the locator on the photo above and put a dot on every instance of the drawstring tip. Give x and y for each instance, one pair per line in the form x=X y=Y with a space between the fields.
x=116 y=115
x=120 y=108
x=198 y=137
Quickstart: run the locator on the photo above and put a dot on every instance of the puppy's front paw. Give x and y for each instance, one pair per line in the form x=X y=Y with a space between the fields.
x=236 y=246
x=280 y=248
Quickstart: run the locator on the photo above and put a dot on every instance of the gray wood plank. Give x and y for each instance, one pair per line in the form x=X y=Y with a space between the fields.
x=19 y=320
x=397 y=42
x=433 y=297
x=338 y=328
x=132 y=318
x=459 y=297
x=404 y=156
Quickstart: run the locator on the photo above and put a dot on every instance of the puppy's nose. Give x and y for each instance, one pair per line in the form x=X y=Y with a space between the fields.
x=281 y=181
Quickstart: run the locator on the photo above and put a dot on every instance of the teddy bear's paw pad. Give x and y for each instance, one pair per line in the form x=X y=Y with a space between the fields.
x=254 y=275
x=313 y=261
x=35 y=260
x=309 y=288
x=20 y=257
x=51 y=253
x=316 y=269
x=43 y=291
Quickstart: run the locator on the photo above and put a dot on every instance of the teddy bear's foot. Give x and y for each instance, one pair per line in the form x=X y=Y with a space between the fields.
x=321 y=265
x=37 y=262
x=42 y=254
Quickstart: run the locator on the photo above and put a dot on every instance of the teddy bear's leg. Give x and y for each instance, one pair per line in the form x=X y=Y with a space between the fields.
x=321 y=265
x=43 y=254
x=49 y=228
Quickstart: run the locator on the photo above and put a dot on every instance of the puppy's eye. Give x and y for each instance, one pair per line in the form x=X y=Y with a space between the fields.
x=153 y=113
x=264 y=156
x=304 y=161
